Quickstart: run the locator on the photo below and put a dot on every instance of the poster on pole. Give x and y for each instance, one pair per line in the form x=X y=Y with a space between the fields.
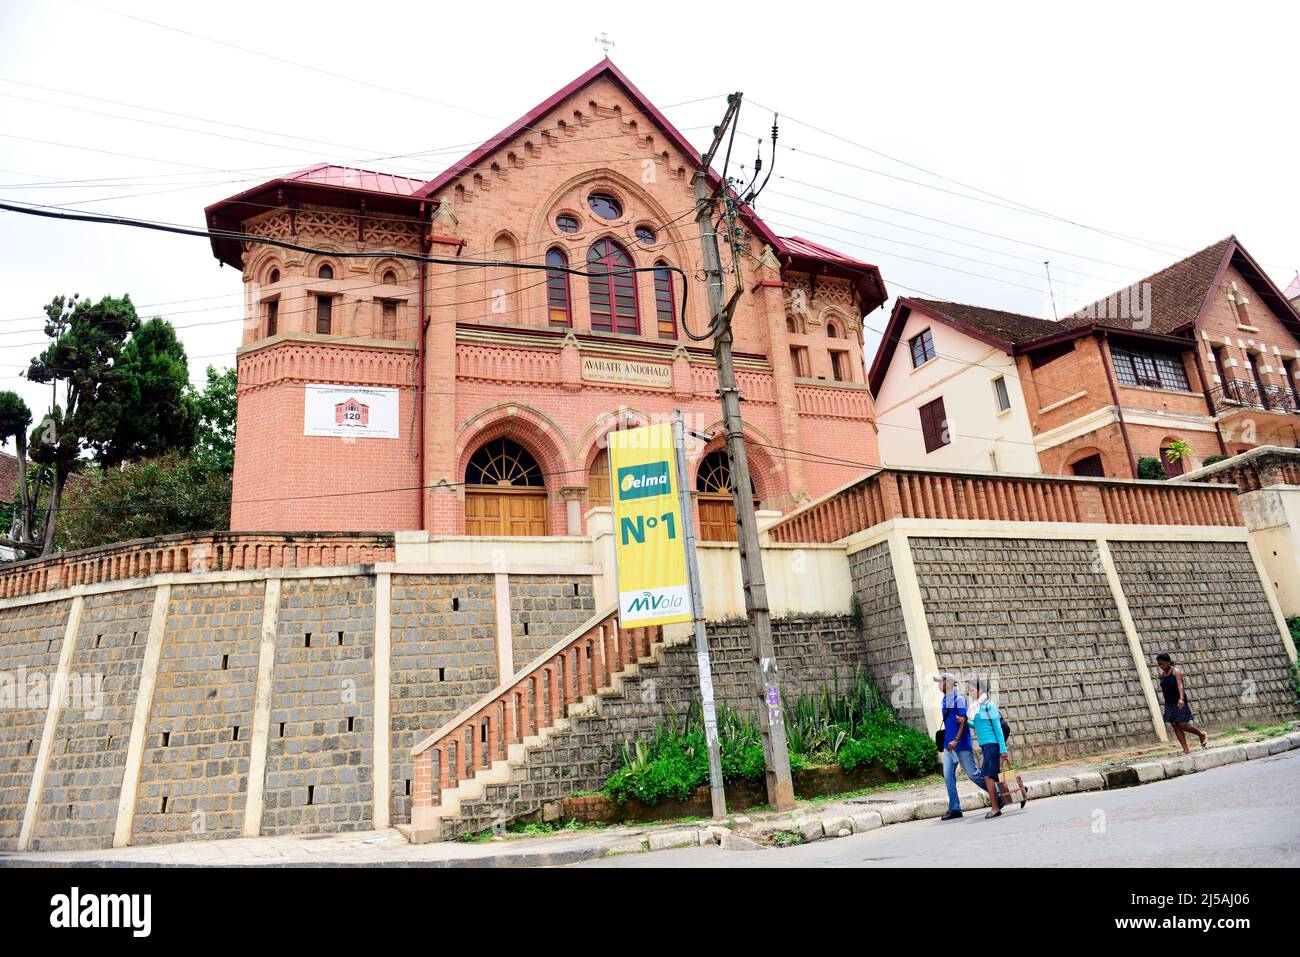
x=649 y=552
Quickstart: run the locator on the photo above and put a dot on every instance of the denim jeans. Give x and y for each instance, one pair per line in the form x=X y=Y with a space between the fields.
x=967 y=761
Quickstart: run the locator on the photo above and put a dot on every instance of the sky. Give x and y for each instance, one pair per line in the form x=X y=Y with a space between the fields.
x=957 y=146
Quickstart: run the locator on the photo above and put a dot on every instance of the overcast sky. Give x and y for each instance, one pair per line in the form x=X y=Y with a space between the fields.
x=1138 y=132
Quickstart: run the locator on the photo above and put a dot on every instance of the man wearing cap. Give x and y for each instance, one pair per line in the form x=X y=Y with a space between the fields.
x=957 y=745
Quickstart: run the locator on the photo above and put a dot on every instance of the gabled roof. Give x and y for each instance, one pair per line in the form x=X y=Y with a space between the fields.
x=1177 y=292
x=397 y=192
x=1002 y=330
x=1180 y=294
x=1293 y=291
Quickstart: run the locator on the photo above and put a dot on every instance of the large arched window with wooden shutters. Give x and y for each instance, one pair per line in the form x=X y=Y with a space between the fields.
x=612 y=287
x=559 y=308
x=665 y=302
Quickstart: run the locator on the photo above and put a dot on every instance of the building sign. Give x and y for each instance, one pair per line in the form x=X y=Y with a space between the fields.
x=649 y=548
x=350 y=412
x=656 y=375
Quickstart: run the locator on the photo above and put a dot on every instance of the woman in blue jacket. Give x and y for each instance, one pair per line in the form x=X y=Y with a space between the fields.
x=986 y=721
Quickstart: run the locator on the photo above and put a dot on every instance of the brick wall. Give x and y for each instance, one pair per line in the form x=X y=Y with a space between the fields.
x=201 y=720
x=320 y=757
x=444 y=659
x=78 y=805
x=1037 y=616
x=886 y=650
x=545 y=608
x=30 y=647
x=1216 y=624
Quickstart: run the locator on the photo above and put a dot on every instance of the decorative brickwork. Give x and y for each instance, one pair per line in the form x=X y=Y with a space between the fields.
x=444 y=659
x=78 y=806
x=886 y=651
x=320 y=756
x=194 y=776
x=1202 y=603
x=1037 y=616
x=545 y=608
x=29 y=652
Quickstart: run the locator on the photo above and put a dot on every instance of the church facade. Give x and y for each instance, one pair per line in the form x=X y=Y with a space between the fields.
x=377 y=392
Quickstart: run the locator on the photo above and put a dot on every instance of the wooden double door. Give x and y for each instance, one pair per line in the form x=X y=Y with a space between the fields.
x=491 y=511
x=717 y=517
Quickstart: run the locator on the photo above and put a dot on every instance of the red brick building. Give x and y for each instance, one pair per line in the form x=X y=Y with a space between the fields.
x=1204 y=352
x=488 y=392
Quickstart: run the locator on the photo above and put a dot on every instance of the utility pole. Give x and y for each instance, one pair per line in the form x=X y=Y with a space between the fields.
x=717 y=790
x=780 y=788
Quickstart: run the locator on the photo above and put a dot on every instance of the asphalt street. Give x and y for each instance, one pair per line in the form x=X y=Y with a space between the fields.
x=1238 y=815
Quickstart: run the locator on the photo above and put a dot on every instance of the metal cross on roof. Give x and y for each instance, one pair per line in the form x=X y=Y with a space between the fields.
x=605 y=43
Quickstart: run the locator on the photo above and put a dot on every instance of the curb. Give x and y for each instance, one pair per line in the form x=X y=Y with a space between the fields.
x=803 y=828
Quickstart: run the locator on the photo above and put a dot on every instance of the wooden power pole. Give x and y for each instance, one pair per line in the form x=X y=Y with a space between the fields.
x=780 y=788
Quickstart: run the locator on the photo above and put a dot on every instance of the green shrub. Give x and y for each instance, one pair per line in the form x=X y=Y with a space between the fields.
x=1211 y=459
x=853 y=728
x=1149 y=467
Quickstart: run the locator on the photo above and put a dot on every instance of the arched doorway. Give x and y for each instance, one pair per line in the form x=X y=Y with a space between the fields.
x=505 y=491
x=714 y=502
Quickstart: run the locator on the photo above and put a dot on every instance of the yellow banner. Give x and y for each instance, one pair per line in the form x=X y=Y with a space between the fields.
x=649 y=550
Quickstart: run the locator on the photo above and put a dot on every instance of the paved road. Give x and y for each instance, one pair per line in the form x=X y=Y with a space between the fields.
x=1238 y=815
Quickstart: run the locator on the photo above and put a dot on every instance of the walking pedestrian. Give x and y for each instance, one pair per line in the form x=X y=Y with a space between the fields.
x=1177 y=710
x=987 y=722
x=956 y=743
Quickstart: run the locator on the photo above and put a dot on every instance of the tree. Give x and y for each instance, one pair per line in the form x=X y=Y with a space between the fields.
x=15 y=417
x=171 y=493
x=148 y=397
x=126 y=391
x=216 y=408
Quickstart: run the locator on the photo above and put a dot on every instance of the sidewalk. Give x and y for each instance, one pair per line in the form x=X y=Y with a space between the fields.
x=811 y=821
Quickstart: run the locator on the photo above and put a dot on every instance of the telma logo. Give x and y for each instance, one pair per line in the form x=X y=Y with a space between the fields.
x=643 y=481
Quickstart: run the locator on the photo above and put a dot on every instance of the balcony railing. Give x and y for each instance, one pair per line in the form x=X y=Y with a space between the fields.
x=901 y=492
x=196 y=553
x=1238 y=394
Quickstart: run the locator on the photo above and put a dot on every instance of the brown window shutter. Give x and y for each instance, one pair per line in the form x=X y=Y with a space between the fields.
x=934 y=423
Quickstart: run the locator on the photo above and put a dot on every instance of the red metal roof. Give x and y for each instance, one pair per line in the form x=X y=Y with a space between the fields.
x=796 y=251
x=799 y=247
x=347 y=177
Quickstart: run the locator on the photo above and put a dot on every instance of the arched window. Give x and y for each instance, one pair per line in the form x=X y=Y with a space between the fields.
x=832 y=331
x=665 y=302
x=275 y=276
x=326 y=271
x=558 y=303
x=502 y=463
x=713 y=477
x=390 y=277
x=612 y=288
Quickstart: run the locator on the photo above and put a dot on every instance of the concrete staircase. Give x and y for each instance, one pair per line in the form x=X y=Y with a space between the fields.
x=500 y=775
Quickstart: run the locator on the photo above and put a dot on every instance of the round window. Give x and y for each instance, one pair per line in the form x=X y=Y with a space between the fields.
x=605 y=206
x=566 y=224
x=646 y=235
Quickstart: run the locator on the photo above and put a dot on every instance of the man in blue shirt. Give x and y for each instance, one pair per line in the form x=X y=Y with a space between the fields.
x=957 y=744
